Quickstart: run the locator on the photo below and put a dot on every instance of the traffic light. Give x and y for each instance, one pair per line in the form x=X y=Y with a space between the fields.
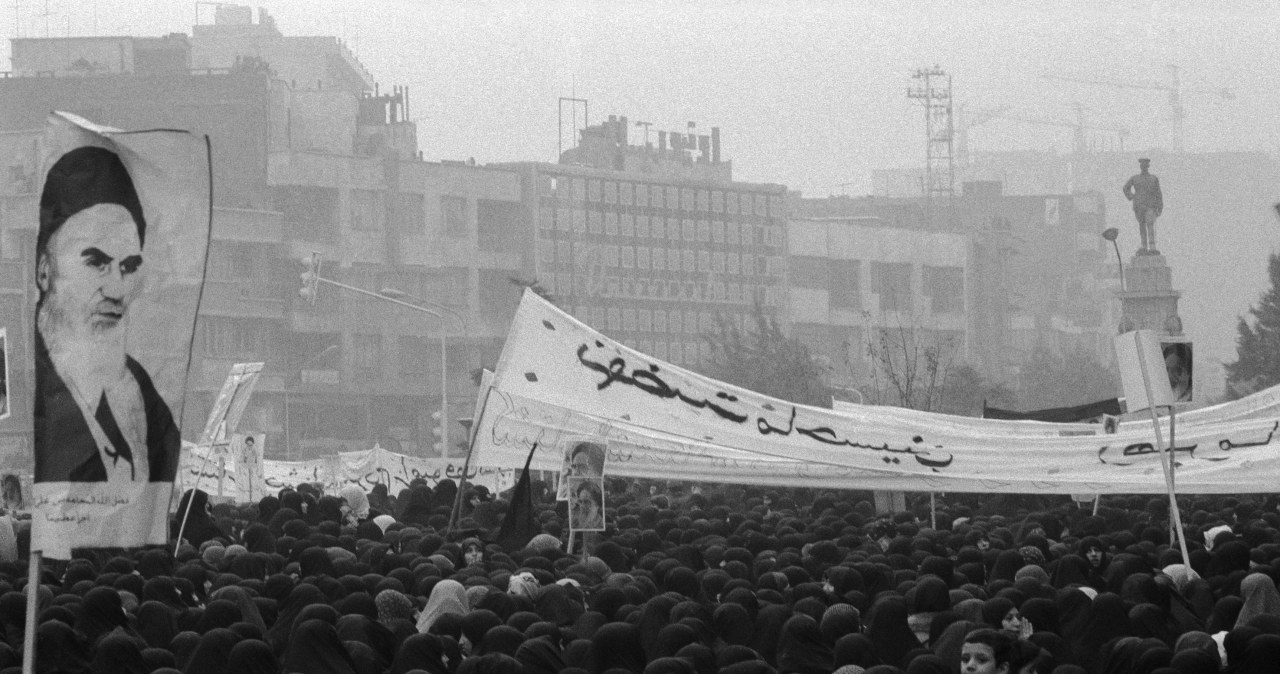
x=437 y=432
x=310 y=278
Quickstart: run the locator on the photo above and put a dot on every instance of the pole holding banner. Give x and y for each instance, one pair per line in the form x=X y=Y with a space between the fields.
x=29 y=636
x=1137 y=353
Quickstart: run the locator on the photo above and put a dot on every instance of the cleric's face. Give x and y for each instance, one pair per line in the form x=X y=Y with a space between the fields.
x=90 y=272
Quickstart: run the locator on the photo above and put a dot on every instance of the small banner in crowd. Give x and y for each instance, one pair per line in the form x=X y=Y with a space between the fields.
x=229 y=406
x=233 y=476
x=122 y=234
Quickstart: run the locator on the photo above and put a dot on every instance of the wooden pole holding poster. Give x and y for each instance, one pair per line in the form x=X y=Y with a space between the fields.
x=1136 y=353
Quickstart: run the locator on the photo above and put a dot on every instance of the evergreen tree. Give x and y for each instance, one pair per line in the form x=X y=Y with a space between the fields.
x=1257 y=363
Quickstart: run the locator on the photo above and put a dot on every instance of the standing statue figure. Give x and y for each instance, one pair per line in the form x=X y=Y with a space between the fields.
x=1143 y=190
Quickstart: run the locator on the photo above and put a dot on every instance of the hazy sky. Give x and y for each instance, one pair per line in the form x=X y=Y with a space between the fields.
x=808 y=94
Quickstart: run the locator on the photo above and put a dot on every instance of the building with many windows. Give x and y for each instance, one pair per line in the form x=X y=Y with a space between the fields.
x=654 y=245
x=998 y=273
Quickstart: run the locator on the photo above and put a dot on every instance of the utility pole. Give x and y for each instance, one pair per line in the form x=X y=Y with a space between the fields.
x=934 y=92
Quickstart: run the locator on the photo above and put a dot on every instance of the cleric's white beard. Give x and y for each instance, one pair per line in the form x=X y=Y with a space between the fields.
x=93 y=360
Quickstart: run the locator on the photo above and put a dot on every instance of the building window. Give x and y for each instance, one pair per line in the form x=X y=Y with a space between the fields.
x=579 y=220
x=626 y=194
x=626 y=224
x=366 y=210
x=366 y=356
x=642 y=226
x=732 y=233
x=628 y=257
x=892 y=282
x=945 y=288
x=579 y=190
x=611 y=223
x=845 y=284
x=593 y=190
x=564 y=219
x=731 y=202
x=410 y=215
x=703 y=201
x=610 y=192
x=655 y=196
x=690 y=261
x=419 y=356
x=593 y=221
x=629 y=320
x=615 y=319
x=673 y=197
x=498 y=225
x=644 y=320
x=453 y=215
x=309 y=213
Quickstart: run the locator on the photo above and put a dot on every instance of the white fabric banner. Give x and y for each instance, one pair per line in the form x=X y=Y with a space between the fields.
x=122 y=231
x=559 y=377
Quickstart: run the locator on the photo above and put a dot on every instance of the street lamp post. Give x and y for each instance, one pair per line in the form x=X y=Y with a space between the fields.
x=310 y=282
x=1111 y=234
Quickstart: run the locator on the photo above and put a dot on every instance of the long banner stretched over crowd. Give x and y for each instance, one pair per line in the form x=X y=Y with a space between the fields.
x=225 y=476
x=557 y=377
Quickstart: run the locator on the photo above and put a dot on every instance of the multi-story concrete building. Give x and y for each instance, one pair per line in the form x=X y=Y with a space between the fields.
x=859 y=286
x=653 y=245
x=308 y=156
x=1006 y=272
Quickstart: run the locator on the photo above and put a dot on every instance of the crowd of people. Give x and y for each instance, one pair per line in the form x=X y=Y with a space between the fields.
x=713 y=579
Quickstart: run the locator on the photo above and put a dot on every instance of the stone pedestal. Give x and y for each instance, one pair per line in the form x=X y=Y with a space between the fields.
x=1148 y=301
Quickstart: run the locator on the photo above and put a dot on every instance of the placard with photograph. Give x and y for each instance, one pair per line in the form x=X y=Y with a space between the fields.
x=584 y=457
x=586 y=503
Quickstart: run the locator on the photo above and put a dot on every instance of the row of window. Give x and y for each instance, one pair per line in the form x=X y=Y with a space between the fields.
x=589 y=255
x=567 y=285
x=609 y=223
x=314 y=213
x=617 y=319
x=891 y=281
x=593 y=190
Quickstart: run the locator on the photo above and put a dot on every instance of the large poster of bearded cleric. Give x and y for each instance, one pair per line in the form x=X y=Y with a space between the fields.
x=123 y=229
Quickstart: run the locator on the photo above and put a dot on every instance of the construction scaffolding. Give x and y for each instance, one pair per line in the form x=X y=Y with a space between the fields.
x=934 y=92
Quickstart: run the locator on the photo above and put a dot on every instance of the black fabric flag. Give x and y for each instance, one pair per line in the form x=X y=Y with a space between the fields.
x=520 y=523
x=1058 y=415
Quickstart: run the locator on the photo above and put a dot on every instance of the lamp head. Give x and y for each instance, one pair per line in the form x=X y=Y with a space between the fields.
x=1111 y=234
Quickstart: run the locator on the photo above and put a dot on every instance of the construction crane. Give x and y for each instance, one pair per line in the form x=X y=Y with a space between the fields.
x=1079 y=144
x=1174 y=89
x=966 y=122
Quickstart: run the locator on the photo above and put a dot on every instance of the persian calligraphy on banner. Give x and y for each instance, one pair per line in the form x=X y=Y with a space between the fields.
x=123 y=228
x=558 y=377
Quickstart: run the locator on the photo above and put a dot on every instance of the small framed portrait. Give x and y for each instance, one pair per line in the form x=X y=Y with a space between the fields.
x=583 y=458
x=586 y=503
x=1178 y=364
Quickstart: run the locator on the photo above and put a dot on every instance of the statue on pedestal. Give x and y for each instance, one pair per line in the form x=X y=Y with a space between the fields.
x=1143 y=190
